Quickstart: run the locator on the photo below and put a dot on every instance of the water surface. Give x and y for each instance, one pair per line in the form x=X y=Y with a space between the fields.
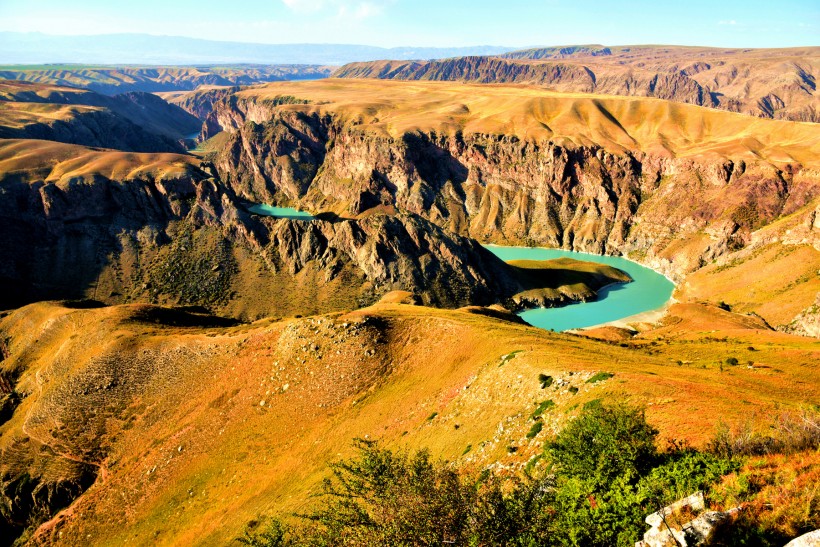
x=280 y=212
x=648 y=291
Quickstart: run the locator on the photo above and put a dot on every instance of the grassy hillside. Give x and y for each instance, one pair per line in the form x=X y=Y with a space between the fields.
x=770 y=83
x=129 y=121
x=194 y=429
x=50 y=161
x=528 y=112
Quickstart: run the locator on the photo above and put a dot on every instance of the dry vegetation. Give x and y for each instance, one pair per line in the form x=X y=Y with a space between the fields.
x=50 y=161
x=197 y=430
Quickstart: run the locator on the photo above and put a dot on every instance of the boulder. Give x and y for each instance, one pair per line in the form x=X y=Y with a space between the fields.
x=812 y=539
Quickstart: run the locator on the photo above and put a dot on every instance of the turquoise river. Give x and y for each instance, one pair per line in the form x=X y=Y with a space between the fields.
x=279 y=212
x=648 y=291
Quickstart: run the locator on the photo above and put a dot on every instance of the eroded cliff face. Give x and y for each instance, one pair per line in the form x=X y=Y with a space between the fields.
x=563 y=76
x=186 y=239
x=674 y=214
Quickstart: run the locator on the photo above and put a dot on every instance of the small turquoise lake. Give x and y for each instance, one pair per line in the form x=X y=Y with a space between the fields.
x=280 y=212
x=648 y=291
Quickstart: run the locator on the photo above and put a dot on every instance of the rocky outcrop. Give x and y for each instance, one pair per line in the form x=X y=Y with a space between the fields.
x=812 y=539
x=201 y=103
x=498 y=188
x=807 y=322
x=686 y=523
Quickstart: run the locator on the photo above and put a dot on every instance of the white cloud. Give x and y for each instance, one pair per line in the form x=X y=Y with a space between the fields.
x=355 y=9
x=730 y=22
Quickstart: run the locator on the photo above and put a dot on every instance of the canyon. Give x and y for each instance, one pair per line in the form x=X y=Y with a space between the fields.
x=174 y=368
x=675 y=187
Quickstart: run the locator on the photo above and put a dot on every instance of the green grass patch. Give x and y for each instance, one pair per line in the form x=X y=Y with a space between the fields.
x=509 y=357
x=542 y=407
x=594 y=403
x=600 y=377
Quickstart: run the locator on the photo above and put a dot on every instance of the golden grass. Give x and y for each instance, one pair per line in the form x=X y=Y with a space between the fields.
x=779 y=493
x=775 y=281
x=616 y=123
x=52 y=161
x=19 y=115
x=194 y=454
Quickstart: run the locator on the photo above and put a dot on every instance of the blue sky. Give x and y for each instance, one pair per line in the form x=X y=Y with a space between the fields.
x=729 y=23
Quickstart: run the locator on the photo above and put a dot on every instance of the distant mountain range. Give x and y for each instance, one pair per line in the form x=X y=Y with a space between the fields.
x=37 y=48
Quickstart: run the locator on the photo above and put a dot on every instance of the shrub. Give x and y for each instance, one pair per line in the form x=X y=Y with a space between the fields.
x=545 y=381
x=605 y=442
x=594 y=403
x=387 y=498
x=606 y=475
x=790 y=433
x=275 y=534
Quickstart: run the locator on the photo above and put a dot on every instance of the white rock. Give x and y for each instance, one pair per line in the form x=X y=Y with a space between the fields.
x=812 y=539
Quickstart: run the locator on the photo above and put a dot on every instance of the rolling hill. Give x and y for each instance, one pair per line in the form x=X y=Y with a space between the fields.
x=112 y=80
x=189 y=429
x=132 y=121
x=770 y=83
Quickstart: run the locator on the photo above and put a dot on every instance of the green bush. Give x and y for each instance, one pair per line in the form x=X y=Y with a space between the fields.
x=275 y=534
x=387 y=498
x=541 y=408
x=605 y=477
x=605 y=442
x=600 y=377
x=545 y=381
